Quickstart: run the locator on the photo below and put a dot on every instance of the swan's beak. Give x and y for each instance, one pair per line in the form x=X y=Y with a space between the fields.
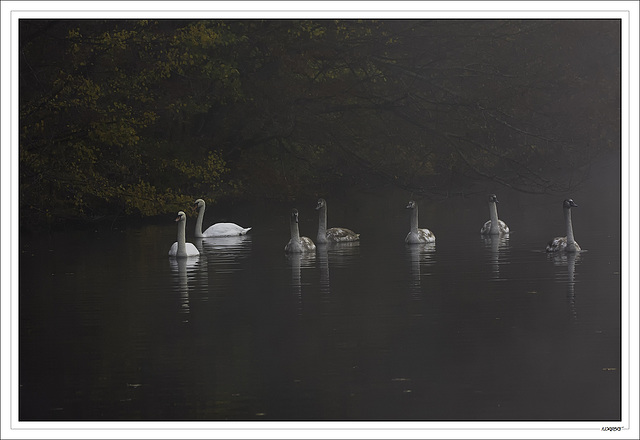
x=177 y=219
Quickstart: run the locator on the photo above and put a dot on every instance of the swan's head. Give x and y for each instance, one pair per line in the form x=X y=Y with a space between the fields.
x=198 y=204
x=412 y=204
x=181 y=217
x=294 y=215
x=321 y=203
x=569 y=203
x=493 y=198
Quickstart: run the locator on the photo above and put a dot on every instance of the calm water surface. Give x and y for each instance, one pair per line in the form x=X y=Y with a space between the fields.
x=111 y=328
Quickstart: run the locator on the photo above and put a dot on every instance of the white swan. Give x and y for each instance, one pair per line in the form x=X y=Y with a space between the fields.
x=568 y=243
x=298 y=244
x=494 y=226
x=181 y=248
x=417 y=235
x=334 y=235
x=217 y=229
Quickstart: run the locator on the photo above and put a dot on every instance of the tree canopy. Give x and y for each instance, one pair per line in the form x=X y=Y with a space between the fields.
x=140 y=117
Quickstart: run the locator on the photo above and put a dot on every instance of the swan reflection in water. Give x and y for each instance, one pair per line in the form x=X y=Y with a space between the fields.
x=342 y=254
x=298 y=261
x=323 y=263
x=568 y=259
x=239 y=244
x=498 y=246
x=225 y=253
x=184 y=270
x=420 y=255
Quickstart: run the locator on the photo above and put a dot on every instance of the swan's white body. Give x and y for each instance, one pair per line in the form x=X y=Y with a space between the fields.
x=298 y=244
x=332 y=235
x=494 y=226
x=181 y=248
x=567 y=243
x=417 y=235
x=217 y=229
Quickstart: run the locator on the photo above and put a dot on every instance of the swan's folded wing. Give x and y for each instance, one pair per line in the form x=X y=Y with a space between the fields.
x=504 y=229
x=192 y=250
x=225 y=230
x=486 y=227
x=426 y=235
x=557 y=244
x=342 y=234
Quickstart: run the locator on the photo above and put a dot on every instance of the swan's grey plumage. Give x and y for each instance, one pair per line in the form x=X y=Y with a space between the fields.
x=333 y=235
x=417 y=235
x=217 y=229
x=181 y=248
x=568 y=242
x=298 y=244
x=494 y=226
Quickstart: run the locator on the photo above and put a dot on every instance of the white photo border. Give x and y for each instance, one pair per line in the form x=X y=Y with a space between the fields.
x=12 y=11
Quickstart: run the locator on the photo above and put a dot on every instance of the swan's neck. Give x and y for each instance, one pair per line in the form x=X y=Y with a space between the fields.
x=295 y=231
x=199 y=222
x=322 y=224
x=182 y=238
x=493 y=213
x=571 y=242
x=414 y=220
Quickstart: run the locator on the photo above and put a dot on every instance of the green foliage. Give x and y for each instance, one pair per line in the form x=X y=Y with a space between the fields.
x=142 y=116
x=88 y=134
x=144 y=199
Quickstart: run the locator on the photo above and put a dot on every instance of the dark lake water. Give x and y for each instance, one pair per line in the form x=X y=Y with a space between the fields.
x=111 y=328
